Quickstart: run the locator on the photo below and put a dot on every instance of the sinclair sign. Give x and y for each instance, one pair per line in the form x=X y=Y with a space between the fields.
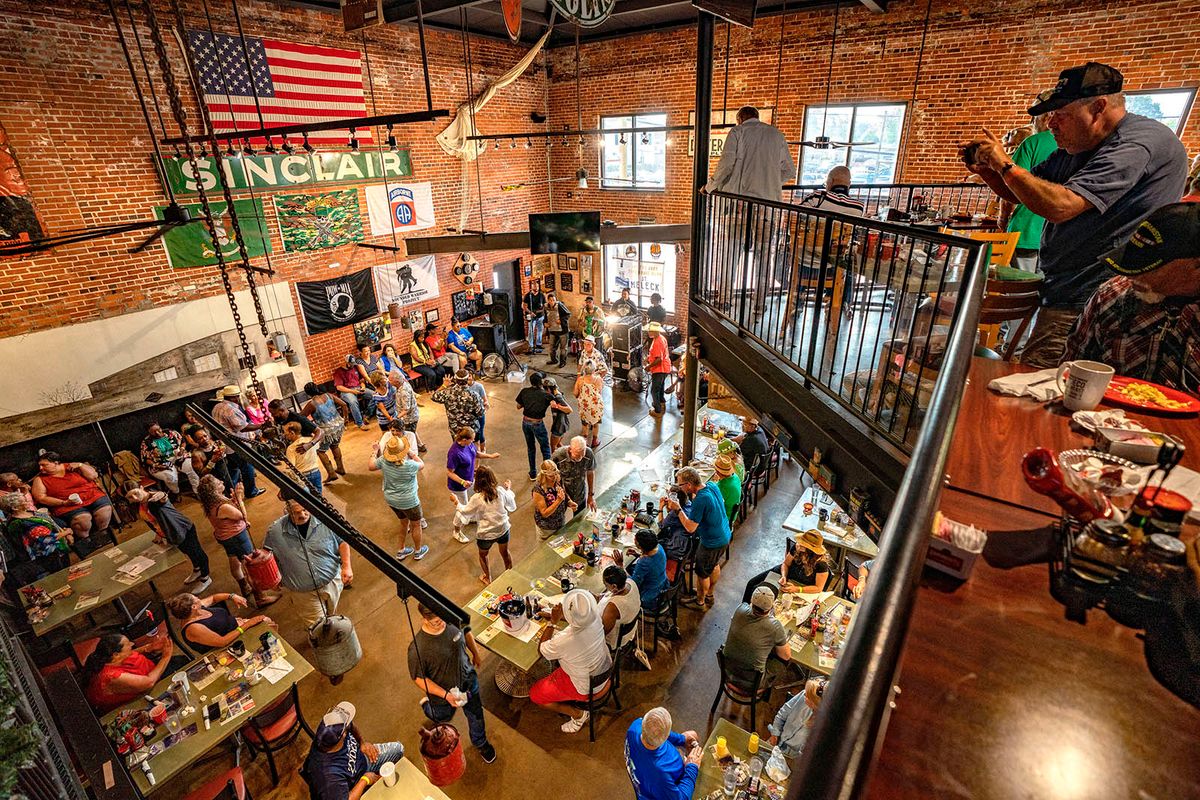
x=282 y=171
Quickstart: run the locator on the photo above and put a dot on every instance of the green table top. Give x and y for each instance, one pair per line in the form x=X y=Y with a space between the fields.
x=856 y=540
x=1012 y=274
x=101 y=579
x=732 y=423
x=806 y=655
x=174 y=759
x=712 y=777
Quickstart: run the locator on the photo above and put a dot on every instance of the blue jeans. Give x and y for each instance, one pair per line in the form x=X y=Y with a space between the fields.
x=352 y=400
x=479 y=429
x=473 y=711
x=314 y=479
x=536 y=326
x=535 y=437
x=388 y=751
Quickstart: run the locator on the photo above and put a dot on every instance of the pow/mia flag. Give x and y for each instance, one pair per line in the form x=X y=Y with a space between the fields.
x=337 y=302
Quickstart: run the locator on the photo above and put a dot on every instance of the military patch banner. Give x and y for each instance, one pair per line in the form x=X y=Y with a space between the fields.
x=337 y=302
x=316 y=221
x=191 y=246
x=406 y=282
x=400 y=207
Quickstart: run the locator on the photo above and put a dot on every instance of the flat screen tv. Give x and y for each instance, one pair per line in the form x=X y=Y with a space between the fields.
x=568 y=232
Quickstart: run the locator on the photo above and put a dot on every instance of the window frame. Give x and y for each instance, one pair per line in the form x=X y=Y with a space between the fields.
x=902 y=104
x=1190 y=91
x=633 y=144
x=643 y=257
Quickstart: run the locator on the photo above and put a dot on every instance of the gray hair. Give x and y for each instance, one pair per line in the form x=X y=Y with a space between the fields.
x=578 y=442
x=689 y=476
x=11 y=502
x=656 y=728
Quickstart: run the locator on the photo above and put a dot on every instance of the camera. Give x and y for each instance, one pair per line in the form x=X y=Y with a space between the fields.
x=970 y=154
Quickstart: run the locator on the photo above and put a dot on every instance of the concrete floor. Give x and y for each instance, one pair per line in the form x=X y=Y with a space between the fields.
x=535 y=757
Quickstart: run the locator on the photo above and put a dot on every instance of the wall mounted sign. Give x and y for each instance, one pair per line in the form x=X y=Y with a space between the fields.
x=316 y=221
x=587 y=13
x=18 y=218
x=286 y=171
x=512 y=18
x=191 y=246
x=400 y=207
x=337 y=302
x=359 y=14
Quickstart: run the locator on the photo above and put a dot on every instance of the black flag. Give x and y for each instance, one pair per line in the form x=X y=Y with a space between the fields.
x=337 y=302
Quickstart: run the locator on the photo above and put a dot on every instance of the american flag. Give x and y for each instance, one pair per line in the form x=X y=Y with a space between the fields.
x=295 y=84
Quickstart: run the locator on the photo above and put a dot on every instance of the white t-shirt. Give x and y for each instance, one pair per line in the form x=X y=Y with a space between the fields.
x=492 y=517
x=580 y=652
x=629 y=605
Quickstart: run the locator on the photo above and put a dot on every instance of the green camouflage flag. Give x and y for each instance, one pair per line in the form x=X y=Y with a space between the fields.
x=315 y=221
x=191 y=246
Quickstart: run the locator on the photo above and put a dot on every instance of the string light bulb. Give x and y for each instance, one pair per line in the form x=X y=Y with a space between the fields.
x=528 y=144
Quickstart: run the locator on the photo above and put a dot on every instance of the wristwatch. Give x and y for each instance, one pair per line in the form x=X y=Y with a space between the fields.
x=1004 y=170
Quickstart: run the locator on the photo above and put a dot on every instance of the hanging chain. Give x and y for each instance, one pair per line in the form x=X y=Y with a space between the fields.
x=180 y=114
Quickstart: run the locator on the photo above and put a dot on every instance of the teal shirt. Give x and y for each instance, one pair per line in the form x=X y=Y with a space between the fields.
x=399 y=483
x=1033 y=151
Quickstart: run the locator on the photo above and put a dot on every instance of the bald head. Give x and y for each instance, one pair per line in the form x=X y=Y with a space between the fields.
x=838 y=176
x=656 y=728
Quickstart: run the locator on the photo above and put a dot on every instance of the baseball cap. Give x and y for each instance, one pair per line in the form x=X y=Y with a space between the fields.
x=334 y=724
x=1075 y=83
x=590 y=338
x=762 y=599
x=1170 y=233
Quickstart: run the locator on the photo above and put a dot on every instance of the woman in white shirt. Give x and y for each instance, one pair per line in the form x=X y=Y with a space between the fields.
x=580 y=651
x=489 y=507
x=619 y=605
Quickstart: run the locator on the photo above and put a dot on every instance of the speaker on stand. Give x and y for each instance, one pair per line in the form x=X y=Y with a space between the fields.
x=497 y=306
x=626 y=351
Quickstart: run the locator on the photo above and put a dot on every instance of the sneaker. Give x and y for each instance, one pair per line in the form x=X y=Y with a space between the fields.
x=405 y=553
x=459 y=536
x=424 y=522
x=533 y=476
x=201 y=584
x=195 y=576
x=575 y=724
x=487 y=753
x=424 y=551
x=255 y=493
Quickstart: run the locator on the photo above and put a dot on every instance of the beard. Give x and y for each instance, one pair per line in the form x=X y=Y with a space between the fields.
x=1148 y=297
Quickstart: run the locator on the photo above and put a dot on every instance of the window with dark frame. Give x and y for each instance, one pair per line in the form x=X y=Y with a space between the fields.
x=1169 y=106
x=881 y=124
x=632 y=160
x=643 y=269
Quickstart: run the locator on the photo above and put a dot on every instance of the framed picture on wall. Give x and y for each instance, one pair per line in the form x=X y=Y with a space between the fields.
x=585 y=261
x=562 y=261
x=572 y=263
x=373 y=331
x=527 y=269
x=566 y=282
x=416 y=320
x=548 y=282
x=432 y=316
x=585 y=285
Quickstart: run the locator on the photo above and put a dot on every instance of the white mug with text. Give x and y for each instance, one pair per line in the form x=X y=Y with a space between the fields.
x=1083 y=383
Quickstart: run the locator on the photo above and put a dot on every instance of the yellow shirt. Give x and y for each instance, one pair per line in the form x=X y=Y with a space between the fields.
x=307 y=461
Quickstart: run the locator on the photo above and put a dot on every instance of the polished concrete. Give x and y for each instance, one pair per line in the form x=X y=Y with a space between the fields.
x=535 y=757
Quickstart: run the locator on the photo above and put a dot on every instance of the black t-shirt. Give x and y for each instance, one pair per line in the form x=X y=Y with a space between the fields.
x=536 y=303
x=534 y=401
x=334 y=774
x=657 y=314
x=307 y=428
x=754 y=447
x=625 y=308
x=443 y=660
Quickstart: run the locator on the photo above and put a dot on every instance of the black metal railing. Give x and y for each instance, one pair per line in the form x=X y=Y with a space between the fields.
x=860 y=308
x=942 y=200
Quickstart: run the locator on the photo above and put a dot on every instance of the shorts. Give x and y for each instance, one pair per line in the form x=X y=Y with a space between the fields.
x=479 y=429
x=238 y=546
x=411 y=514
x=556 y=687
x=65 y=519
x=486 y=544
x=331 y=434
x=707 y=560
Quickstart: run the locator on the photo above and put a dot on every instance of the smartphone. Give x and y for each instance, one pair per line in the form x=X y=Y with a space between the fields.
x=791 y=546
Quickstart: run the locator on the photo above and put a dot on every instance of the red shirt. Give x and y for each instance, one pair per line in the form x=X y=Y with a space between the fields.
x=348 y=377
x=70 y=483
x=660 y=350
x=102 y=698
x=436 y=345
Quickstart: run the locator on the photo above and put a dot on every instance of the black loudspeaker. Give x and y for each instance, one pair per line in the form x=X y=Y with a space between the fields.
x=498 y=307
x=489 y=336
x=627 y=333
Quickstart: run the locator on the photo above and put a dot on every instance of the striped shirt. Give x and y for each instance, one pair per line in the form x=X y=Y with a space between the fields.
x=835 y=199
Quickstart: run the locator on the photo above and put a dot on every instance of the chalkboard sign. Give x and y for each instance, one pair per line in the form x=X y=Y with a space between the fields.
x=463 y=308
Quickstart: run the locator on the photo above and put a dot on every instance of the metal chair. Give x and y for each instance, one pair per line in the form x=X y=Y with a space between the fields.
x=601 y=689
x=668 y=605
x=276 y=728
x=623 y=647
x=737 y=693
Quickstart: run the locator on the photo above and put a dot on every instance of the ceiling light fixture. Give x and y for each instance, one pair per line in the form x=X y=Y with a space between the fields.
x=353 y=141
x=288 y=147
x=581 y=176
x=528 y=143
x=308 y=148
x=247 y=148
x=622 y=139
x=271 y=146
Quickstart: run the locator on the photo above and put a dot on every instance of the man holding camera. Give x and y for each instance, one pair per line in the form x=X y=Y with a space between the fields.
x=1111 y=170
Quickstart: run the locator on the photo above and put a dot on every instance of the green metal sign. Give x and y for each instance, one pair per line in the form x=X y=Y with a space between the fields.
x=282 y=171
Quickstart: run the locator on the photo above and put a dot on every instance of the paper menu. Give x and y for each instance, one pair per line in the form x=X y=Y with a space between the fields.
x=561 y=546
x=487 y=635
x=87 y=600
x=136 y=565
x=796 y=642
x=480 y=603
x=76 y=571
x=276 y=670
x=825 y=662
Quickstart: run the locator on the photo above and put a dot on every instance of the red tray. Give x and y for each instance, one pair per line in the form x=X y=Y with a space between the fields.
x=1114 y=397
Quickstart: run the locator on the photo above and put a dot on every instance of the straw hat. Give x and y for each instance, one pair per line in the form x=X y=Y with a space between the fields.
x=232 y=390
x=396 y=449
x=722 y=466
x=811 y=540
x=653 y=327
x=590 y=338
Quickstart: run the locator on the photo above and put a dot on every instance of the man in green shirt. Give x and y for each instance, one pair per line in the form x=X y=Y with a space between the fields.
x=1033 y=151
x=729 y=484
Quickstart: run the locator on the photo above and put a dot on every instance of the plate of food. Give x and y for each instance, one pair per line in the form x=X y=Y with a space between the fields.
x=1132 y=393
x=1112 y=418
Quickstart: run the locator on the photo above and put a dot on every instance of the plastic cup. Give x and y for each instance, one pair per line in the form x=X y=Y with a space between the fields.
x=387 y=773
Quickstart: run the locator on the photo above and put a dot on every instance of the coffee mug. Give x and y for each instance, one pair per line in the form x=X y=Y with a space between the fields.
x=387 y=773
x=238 y=648
x=1083 y=383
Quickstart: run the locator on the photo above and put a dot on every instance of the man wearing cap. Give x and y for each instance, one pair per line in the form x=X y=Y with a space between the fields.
x=461 y=342
x=592 y=356
x=230 y=415
x=1145 y=322
x=754 y=444
x=729 y=484
x=755 y=635
x=463 y=407
x=342 y=765
x=658 y=364
x=1111 y=170
x=656 y=767
x=708 y=521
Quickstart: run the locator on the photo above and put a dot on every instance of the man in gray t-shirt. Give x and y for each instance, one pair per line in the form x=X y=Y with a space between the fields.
x=754 y=636
x=577 y=464
x=1111 y=170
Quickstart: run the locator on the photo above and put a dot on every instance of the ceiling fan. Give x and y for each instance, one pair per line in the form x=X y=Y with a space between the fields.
x=824 y=142
x=174 y=215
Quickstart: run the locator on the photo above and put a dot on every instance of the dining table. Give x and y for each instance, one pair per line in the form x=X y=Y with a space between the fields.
x=104 y=577
x=795 y=608
x=710 y=780
x=847 y=538
x=211 y=676
x=411 y=784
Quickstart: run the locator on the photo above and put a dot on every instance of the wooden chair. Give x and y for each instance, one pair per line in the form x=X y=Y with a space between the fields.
x=737 y=693
x=275 y=728
x=623 y=648
x=229 y=785
x=1004 y=245
x=1007 y=301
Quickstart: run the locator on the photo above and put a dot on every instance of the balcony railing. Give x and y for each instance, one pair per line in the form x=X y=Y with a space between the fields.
x=912 y=198
x=860 y=308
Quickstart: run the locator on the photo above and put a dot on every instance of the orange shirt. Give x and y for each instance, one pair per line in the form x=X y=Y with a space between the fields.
x=659 y=349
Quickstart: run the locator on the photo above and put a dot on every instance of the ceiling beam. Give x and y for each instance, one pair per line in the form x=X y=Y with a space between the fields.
x=875 y=6
x=407 y=11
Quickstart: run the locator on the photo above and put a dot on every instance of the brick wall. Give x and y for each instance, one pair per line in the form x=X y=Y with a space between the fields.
x=67 y=102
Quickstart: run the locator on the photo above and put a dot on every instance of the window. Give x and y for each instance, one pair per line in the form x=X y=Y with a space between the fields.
x=643 y=269
x=1168 y=106
x=634 y=160
x=879 y=124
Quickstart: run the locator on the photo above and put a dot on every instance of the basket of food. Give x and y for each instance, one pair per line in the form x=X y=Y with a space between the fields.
x=1110 y=475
